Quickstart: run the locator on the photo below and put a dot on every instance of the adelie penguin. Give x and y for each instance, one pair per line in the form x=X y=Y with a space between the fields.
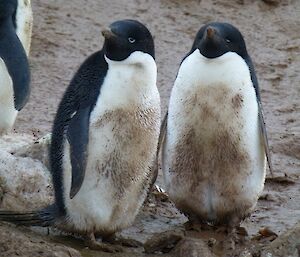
x=104 y=139
x=215 y=147
x=15 y=35
x=23 y=20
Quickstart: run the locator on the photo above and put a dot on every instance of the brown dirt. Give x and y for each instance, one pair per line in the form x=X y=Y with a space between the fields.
x=66 y=32
x=23 y=242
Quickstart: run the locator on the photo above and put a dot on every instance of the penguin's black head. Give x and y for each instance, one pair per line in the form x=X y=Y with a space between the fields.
x=8 y=9
x=124 y=37
x=216 y=39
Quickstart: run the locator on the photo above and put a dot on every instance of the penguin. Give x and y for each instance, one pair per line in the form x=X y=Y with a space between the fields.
x=104 y=139
x=215 y=144
x=14 y=67
x=23 y=23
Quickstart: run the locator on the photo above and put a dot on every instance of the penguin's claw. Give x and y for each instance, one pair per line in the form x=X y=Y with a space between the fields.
x=197 y=226
x=128 y=242
x=99 y=246
x=93 y=244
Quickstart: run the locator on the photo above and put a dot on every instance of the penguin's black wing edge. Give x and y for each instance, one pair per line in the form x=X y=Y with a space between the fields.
x=265 y=137
x=15 y=58
x=162 y=134
x=21 y=82
x=260 y=114
x=161 y=138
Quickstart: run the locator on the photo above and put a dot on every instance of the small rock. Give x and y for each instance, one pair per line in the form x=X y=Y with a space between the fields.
x=160 y=194
x=267 y=197
x=245 y=253
x=284 y=180
x=12 y=142
x=25 y=183
x=272 y=2
x=163 y=242
x=286 y=244
x=192 y=247
x=266 y=232
x=22 y=242
x=211 y=242
x=38 y=150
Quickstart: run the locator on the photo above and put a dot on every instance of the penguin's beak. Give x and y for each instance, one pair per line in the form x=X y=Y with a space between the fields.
x=212 y=43
x=210 y=33
x=107 y=33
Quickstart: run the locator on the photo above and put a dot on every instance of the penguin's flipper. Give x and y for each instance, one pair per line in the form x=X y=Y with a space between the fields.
x=78 y=137
x=19 y=71
x=260 y=112
x=162 y=133
x=14 y=56
x=264 y=136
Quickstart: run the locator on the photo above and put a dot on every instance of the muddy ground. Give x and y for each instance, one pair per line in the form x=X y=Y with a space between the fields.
x=66 y=32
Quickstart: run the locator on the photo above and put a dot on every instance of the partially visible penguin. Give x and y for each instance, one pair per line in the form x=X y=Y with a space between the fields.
x=104 y=139
x=14 y=67
x=23 y=23
x=215 y=148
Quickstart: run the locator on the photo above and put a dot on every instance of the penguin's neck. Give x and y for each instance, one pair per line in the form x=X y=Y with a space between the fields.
x=229 y=69
x=131 y=81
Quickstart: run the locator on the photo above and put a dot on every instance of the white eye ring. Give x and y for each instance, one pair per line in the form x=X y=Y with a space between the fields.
x=228 y=40
x=131 y=40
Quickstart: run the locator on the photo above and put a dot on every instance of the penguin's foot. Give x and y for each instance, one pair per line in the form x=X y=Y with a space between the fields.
x=224 y=229
x=93 y=244
x=239 y=235
x=237 y=230
x=163 y=242
x=197 y=226
x=234 y=236
x=113 y=239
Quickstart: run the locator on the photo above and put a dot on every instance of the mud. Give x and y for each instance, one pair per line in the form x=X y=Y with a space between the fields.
x=32 y=244
x=66 y=32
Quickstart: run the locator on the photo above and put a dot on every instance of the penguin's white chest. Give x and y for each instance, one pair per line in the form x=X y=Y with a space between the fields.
x=8 y=112
x=213 y=155
x=124 y=129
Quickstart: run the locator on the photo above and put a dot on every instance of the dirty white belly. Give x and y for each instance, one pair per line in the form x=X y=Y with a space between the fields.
x=8 y=112
x=116 y=179
x=214 y=162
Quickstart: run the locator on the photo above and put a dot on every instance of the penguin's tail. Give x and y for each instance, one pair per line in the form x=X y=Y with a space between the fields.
x=43 y=218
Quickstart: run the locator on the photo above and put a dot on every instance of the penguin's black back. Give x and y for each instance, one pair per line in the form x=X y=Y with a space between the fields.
x=81 y=94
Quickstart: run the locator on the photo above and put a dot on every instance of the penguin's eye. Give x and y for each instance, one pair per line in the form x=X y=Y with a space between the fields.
x=131 y=40
x=228 y=40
